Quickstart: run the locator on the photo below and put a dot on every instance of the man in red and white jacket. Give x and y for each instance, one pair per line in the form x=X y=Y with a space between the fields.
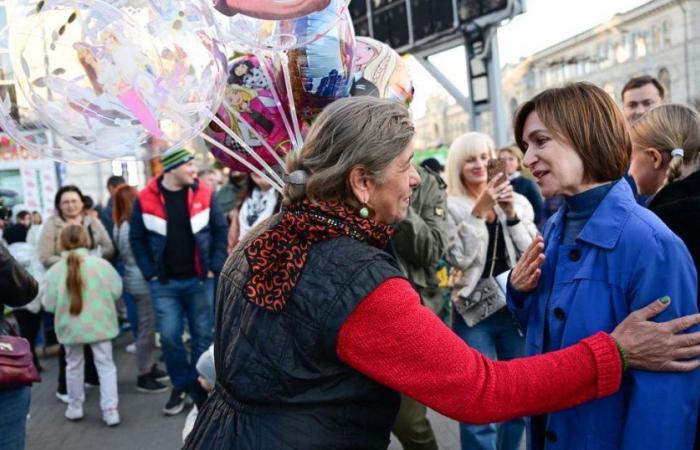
x=178 y=237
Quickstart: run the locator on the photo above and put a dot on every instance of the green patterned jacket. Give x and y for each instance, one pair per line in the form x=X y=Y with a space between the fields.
x=102 y=287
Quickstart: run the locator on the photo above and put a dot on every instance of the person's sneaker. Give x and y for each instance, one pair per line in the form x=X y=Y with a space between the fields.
x=176 y=403
x=111 y=417
x=63 y=397
x=149 y=385
x=74 y=413
x=131 y=349
x=90 y=386
x=159 y=375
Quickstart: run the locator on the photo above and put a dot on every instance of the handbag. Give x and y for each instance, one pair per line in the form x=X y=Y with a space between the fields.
x=16 y=361
x=487 y=297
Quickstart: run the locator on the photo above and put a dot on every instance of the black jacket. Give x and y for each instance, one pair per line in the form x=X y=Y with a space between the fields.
x=678 y=205
x=17 y=286
x=280 y=384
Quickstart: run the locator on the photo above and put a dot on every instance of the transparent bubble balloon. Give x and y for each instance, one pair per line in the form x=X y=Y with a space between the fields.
x=38 y=139
x=264 y=34
x=118 y=78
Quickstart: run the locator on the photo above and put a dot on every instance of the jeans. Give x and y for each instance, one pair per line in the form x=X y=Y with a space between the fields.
x=497 y=337
x=107 y=371
x=172 y=302
x=145 y=339
x=14 y=407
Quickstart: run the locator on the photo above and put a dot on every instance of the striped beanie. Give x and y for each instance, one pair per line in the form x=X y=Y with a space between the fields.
x=175 y=158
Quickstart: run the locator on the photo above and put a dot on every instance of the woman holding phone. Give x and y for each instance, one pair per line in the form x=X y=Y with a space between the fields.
x=490 y=227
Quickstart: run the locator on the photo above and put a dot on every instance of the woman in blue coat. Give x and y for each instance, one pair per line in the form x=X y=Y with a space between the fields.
x=603 y=257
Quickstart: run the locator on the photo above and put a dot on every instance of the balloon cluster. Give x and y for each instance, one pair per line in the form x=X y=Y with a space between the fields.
x=298 y=56
x=110 y=79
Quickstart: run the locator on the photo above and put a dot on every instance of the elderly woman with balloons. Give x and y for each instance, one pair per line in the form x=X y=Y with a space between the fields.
x=317 y=330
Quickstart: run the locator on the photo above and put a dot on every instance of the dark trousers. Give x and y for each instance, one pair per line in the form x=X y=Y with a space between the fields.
x=29 y=327
x=90 y=370
x=412 y=426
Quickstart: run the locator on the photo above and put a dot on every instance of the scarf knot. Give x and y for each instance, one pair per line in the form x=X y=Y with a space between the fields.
x=277 y=257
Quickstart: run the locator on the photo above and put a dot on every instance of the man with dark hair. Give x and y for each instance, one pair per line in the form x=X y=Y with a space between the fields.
x=178 y=237
x=113 y=183
x=639 y=95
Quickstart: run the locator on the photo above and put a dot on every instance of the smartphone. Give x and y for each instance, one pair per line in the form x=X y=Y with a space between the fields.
x=494 y=167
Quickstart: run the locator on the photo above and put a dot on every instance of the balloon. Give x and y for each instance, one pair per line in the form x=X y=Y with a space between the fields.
x=261 y=34
x=251 y=111
x=320 y=72
x=270 y=9
x=119 y=78
x=35 y=138
x=381 y=72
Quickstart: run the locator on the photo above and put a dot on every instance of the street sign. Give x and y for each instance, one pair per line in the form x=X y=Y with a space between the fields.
x=409 y=25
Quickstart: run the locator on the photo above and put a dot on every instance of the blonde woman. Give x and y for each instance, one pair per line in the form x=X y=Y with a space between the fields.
x=665 y=143
x=490 y=226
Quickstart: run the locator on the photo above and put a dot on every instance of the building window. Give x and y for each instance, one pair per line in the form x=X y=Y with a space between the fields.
x=3 y=22
x=513 y=107
x=8 y=91
x=641 y=44
x=665 y=80
x=655 y=38
x=666 y=33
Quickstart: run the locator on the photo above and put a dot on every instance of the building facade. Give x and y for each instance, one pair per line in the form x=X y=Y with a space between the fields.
x=660 y=38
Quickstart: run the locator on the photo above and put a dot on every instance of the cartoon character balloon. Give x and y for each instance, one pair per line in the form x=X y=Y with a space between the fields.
x=251 y=111
x=381 y=72
x=118 y=78
x=320 y=72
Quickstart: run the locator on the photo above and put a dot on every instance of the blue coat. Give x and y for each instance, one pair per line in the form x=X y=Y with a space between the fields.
x=623 y=259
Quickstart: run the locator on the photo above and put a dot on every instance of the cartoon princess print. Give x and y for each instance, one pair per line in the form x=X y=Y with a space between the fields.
x=258 y=110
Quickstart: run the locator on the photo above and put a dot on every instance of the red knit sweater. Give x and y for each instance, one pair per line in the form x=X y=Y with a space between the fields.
x=395 y=341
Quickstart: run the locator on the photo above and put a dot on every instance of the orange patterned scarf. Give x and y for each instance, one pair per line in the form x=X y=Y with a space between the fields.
x=278 y=255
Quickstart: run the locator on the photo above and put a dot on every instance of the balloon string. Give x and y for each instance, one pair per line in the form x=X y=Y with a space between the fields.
x=290 y=98
x=231 y=153
x=263 y=64
x=246 y=147
x=267 y=146
x=241 y=160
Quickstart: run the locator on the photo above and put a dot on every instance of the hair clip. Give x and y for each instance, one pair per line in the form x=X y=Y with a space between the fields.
x=677 y=152
x=297 y=177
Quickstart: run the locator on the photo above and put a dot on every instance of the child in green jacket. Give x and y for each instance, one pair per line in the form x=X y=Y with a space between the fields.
x=81 y=290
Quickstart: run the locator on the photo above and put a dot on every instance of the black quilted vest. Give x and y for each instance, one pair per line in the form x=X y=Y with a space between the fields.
x=280 y=382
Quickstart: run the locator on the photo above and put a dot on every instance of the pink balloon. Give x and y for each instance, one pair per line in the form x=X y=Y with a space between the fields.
x=270 y=9
x=253 y=116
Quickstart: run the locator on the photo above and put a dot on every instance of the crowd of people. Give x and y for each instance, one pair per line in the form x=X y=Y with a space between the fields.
x=318 y=306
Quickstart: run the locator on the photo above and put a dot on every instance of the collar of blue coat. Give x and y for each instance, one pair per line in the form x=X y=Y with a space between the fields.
x=605 y=226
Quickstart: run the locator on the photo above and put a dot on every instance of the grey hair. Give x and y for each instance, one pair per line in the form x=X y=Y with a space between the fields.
x=352 y=132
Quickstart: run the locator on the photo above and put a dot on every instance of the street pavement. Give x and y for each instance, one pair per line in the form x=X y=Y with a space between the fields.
x=143 y=425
